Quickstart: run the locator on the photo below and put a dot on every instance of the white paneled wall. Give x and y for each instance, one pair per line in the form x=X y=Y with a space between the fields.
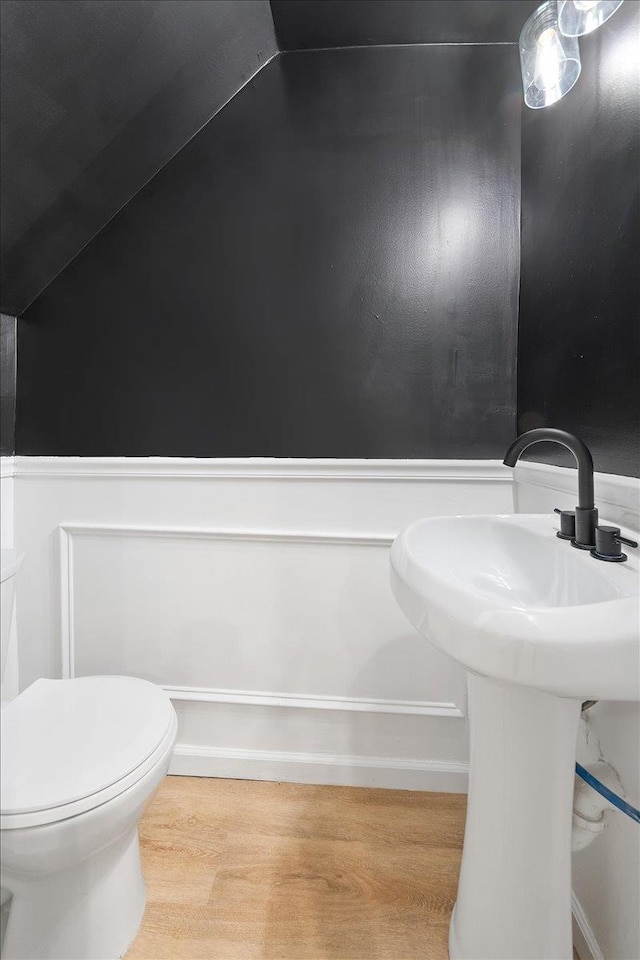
x=259 y=614
x=258 y=593
x=9 y=684
x=6 y=502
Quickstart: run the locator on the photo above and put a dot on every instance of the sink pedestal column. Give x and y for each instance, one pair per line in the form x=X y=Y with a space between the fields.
x=514 y=896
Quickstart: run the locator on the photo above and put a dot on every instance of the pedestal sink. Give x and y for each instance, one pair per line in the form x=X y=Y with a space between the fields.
x=540 y=627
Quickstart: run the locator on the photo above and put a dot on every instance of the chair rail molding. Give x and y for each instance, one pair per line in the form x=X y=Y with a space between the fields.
x=255 y=468
x=539 y=487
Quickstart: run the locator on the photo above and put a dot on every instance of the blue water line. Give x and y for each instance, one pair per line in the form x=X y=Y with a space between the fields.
x=608 y=794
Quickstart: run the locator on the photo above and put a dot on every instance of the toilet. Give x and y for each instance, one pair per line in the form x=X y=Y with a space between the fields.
x=80 y=759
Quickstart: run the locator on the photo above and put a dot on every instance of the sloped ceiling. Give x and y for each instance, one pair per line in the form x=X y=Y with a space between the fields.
x=97 y=95
x=305 y=24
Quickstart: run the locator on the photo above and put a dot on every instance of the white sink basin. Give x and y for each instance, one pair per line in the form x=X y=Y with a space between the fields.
x=540 y=627
x=508 y=599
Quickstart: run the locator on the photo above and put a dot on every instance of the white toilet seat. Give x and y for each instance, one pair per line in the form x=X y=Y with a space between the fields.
x=69 y=746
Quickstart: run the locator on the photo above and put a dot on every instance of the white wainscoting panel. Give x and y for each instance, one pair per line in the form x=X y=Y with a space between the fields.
x=9 y=684
x=6 y=501
x=241 y=616
x=539 y=487
x=257 y=592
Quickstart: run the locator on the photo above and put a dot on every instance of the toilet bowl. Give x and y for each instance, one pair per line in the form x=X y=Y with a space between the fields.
x=80 y=760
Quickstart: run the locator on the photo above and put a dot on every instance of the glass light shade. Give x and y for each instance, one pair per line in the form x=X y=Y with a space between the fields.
x=550 y=61
x=577 y=17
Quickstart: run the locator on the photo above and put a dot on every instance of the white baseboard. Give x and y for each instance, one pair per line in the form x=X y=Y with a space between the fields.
x=441 y=776
x=584 y=939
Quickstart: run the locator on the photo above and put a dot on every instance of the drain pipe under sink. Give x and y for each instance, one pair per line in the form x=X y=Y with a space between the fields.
x=589 y=805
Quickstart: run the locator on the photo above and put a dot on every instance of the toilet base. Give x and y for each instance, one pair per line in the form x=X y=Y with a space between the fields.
x=91 y=911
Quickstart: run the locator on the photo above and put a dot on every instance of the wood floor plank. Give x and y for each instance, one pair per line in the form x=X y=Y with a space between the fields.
x=244 y=870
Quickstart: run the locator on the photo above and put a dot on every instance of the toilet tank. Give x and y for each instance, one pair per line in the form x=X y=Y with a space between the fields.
x=11 y=563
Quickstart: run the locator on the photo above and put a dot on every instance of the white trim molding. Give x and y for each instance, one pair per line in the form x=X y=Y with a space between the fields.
x=417 y=708
x=7 y=502
x=609 y=488
x=7 y=467
x=208 y=533
x=584 y=939
x=213 y=695
x=445 y=776
x=274 y=753
x=256 y=468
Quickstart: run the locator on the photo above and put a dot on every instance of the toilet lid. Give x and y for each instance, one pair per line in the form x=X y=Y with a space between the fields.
x=63 y=740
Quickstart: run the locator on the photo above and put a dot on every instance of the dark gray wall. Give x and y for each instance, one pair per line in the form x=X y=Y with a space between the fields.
x=579 y=339
x=329 y=269
x=97 y=95
x=305 y=24
x=7 y=385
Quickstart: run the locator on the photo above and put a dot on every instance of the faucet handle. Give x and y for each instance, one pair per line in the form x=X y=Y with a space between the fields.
x=567 y=529
x=608 y=542
x=629 y=543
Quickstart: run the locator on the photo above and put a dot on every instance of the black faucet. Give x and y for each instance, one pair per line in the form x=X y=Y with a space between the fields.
x=586 y=513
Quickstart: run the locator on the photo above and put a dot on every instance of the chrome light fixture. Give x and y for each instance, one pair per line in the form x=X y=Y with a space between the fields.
x=577 y=17
x=549 y=60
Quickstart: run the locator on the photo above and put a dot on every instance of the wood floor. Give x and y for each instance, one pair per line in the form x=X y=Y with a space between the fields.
x=241 y=869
